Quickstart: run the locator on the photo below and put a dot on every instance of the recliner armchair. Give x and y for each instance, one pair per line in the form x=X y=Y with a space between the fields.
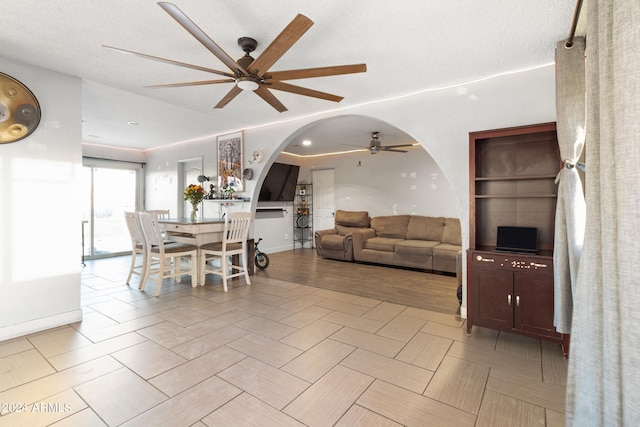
x=337 y=243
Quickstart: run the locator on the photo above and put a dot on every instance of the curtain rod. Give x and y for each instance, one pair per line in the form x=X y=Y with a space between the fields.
x=574 y=24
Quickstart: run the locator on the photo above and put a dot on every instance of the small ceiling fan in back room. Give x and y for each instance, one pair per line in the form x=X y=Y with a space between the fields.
x=248 y=73
x=375 y=145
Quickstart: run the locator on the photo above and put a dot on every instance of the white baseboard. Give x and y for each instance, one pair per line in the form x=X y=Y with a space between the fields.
x=25 y=328
x=463 y=312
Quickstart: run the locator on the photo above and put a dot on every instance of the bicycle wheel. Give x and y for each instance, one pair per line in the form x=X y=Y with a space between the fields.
x=262 y=261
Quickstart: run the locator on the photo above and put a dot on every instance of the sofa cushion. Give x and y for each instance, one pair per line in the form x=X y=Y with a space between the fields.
x=446 y=258
x=345 y=231
x=452 y=233
x=393 y=226
x=413 y=248
x=352 y=218
x=382 y=244
x=425 y=228
x=447 y=250
x=333 y=241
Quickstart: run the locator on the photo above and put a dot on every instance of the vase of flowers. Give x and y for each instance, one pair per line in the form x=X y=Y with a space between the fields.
x=194 y=194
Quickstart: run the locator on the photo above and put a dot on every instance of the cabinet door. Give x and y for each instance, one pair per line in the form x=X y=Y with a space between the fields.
x=493 y=299
x=533 y=311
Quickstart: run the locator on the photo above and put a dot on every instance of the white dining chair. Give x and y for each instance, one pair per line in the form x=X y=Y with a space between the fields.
x=138 y=247
x=163 y=252
x=234 y=242
x=161 y=214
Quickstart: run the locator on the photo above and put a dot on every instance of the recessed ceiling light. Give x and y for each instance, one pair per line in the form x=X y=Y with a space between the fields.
x=306 y=142
x=133 y=123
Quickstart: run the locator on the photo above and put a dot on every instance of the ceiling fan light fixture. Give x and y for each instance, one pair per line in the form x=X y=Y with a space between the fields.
x=247 y=83
x=248 y=73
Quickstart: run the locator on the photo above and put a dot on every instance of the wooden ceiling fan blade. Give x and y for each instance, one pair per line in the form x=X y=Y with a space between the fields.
x=198 y=83
x=282 y=43
x=398 y=145
x=392 y=149
x=235 y=91
x=168 y=61
x=270 y=98
x=316 y=72
x=286 y=87
x=201 y=36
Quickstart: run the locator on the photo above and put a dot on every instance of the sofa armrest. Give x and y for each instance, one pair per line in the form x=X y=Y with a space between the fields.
x=349 y=233
x=359 y=237
x=319 y=233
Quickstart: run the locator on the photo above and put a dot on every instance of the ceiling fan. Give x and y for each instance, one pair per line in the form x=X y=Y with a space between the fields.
x=375 y=145
x=248 y=73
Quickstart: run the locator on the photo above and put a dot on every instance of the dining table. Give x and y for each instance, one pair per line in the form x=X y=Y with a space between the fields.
x=200 y=232
x=197 y=232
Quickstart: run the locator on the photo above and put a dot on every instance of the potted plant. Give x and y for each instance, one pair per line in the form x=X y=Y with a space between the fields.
x=228 y=191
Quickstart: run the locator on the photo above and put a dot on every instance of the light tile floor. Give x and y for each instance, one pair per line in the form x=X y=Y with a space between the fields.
x=274 y=353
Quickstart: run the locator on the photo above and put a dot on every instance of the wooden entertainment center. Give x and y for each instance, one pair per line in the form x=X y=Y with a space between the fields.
x=512 y=183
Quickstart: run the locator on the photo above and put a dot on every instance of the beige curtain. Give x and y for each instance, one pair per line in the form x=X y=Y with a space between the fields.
x=570 y=208
x=603 y=386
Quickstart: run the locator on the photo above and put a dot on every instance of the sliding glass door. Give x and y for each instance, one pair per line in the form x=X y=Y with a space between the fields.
x=111 y=188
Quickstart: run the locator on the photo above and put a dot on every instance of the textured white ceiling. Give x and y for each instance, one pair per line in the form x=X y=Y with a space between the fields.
x=407 y=45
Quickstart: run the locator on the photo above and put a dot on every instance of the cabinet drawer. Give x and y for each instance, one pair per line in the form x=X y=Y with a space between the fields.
x=514 y=262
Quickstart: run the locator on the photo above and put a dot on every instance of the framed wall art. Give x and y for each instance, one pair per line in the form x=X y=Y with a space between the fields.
x=230 y=155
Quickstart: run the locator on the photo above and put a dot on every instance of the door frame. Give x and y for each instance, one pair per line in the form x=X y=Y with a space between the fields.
x=317 y=190
x=184 y=165
x=94 y=162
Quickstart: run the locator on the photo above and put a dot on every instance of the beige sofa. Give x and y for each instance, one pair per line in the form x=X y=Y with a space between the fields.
x=430 y=243
x=336 y=243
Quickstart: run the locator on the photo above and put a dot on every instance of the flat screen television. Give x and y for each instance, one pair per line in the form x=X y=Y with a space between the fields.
x=517 y=239
x=280 y=183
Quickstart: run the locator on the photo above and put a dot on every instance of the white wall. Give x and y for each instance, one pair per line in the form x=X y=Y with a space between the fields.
x=161 y=175
x=388 y=183
x=40 y=218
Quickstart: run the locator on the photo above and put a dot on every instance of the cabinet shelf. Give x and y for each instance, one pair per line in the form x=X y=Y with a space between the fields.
x=514 y=177
x=303 y=216
x=227 y=200
x=513 y=196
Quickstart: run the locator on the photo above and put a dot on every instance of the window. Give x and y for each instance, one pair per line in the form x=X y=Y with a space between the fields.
x=110 y=188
